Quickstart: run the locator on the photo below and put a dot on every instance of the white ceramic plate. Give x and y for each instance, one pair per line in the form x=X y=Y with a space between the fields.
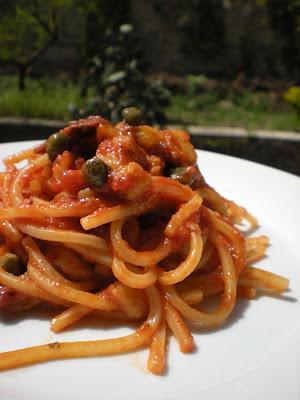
x=255 y=355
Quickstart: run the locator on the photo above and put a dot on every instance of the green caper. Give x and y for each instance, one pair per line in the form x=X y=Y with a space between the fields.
x=12 y=264
x=181 y=175
x=57 y=144
x=94 y=172
x=132 y=115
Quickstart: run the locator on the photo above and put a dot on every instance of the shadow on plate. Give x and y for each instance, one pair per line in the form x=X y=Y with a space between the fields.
x=239 y=311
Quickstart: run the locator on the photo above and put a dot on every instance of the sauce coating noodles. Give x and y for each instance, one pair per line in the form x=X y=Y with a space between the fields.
x=118 y=221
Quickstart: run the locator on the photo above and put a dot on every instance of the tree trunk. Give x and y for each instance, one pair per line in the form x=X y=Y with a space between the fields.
x=22 y=76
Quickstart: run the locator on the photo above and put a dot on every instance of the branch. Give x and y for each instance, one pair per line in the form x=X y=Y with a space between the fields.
x=39 y=51
x=53 y=34
x=30 y=60
x=54 y=22
x=53 y=37
x=46 y=26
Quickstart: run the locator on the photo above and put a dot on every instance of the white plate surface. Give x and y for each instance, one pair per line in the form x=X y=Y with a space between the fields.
x=255 y=355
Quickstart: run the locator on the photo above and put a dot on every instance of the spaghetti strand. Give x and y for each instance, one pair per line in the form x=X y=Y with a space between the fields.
x=118 y=222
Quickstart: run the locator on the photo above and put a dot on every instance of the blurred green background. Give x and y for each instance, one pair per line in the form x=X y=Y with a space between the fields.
x=204 y=62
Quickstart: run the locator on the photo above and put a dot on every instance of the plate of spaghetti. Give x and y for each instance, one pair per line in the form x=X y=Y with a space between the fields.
x=126 y=270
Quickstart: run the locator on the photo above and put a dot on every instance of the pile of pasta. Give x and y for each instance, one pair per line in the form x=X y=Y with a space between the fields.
x=118 y=221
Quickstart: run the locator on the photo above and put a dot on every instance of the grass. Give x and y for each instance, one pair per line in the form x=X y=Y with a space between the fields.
x=43 y=98
x=50 y=99
x=248 y=111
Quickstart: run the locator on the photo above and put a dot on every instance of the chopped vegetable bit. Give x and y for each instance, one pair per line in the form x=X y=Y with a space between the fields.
x=132 y=115
x=12 y=263
x=57 y=144
x=95 y=172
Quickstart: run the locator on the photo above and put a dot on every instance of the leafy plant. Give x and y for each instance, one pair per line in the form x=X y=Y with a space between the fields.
x=292 y=96
x=116 y=79
x=202 y=101
x=256 y=102
x=27 y=29
x=195 y=83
